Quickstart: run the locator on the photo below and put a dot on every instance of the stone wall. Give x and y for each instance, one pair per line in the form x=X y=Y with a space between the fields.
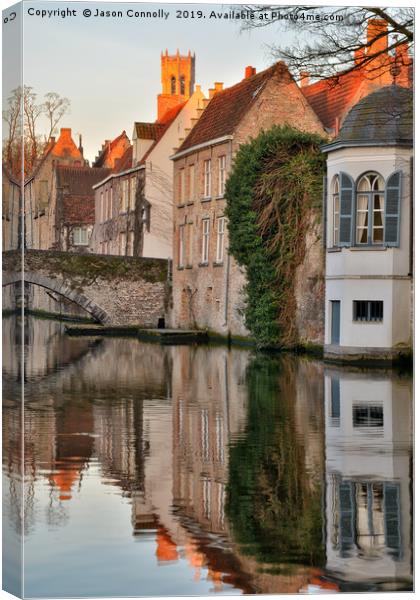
x=114 y=290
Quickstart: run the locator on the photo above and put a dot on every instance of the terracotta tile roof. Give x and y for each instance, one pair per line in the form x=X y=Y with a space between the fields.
x=332 y=98
x=108 y=149
x=171 y=113
x=125 y=162
x=227 y=108
x=148 y=131
x=78 y=181
x=78 y=210
x=170 y=117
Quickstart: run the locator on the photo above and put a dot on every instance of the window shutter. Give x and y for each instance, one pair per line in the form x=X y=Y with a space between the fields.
x=392 y=209
x=346 y=209
x=324 y=210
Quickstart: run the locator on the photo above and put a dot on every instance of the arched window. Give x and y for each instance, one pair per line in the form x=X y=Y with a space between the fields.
x=336 y=210
x=182 y=85
x=173 y=85
x=370 y=204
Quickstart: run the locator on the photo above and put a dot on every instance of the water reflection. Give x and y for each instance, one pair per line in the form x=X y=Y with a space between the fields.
x=155 y=470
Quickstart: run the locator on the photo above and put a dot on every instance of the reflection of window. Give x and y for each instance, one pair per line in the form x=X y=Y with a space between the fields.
x=369 y=518
x=206 y=497
x=221 y=502
x=368 y=415
x=370 y=209
x=80 y=236
x=368 y=310
x=220 y=450
x=205 y=434
x=335 y=402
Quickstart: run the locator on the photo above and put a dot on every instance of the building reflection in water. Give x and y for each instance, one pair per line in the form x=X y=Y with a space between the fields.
x=252 y=473
x=368 y=476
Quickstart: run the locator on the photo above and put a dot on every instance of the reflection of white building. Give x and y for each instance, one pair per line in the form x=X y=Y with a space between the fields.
x=368 y=231
x=368 y=470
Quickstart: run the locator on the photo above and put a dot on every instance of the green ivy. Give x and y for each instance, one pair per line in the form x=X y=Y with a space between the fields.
x=275 y=183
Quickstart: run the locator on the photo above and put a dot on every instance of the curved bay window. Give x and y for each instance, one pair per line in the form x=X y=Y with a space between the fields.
x=370 y=205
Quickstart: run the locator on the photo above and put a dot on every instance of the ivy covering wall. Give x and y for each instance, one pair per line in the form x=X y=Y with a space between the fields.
x=273 y=191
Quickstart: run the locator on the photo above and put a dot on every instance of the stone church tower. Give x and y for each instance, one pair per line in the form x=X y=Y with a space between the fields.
x=178 y=79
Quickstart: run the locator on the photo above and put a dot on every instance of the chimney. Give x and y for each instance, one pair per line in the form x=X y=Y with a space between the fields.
x=359 y=55
x=304 y=78
x=80 y=144
x=402 y=54
x=249 y=72
x=212 y=91
x=65 y=132
x=375 y=28
x=218 y=86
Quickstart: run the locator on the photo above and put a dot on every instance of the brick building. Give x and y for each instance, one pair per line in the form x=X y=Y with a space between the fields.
x=112 y=152
x=39 y=200
x=208 y=283
x=75 y=206
x=119 y=217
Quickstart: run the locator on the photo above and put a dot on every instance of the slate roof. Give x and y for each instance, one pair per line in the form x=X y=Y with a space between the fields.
x=226 y=109
x=78 y=181
x=385 y=117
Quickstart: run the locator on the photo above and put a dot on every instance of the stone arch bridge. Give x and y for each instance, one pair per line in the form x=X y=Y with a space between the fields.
x=115 y=290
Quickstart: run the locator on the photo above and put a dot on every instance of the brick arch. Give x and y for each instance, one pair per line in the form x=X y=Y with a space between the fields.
x=59 y=287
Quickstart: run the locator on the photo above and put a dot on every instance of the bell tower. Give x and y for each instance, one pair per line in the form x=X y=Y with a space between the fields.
x=178 y=79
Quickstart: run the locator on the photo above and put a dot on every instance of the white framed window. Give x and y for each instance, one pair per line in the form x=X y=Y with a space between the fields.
x=222 y=175
x=181 y=246
x=336 y=211
x=207 y=178
x=80 y=236
x=189 y=256
x=123 y=243
x=132 y=202
x=125 y=196
x=181 y=186
x=205 y=240
x=370 y=209
x=191 y=182
x=101 y=208
x=220 y=239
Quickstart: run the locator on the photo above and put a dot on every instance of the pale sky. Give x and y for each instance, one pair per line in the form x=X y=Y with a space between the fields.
x=109 y=68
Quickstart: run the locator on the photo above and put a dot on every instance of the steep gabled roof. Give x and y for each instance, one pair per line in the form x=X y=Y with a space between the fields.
x=108 y=149
x=332 y=98
x=125 y=162
x=226 y=109
x=78 y=181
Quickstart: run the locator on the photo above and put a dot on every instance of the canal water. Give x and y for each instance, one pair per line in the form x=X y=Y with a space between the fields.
x=190 y=470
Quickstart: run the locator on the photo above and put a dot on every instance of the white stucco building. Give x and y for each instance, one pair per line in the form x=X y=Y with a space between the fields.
x=368 y=471
x=368 y=308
